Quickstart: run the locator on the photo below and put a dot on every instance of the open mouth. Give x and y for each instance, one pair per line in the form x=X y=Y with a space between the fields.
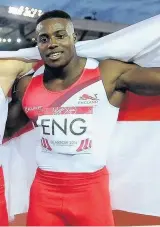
x=54 y=56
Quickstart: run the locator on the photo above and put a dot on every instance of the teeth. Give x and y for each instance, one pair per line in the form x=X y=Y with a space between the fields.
x=55 y=55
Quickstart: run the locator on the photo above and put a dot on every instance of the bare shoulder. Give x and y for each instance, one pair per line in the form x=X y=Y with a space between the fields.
x=116 y=65
x=21 y=86
x=110 y=62
x=112 y=69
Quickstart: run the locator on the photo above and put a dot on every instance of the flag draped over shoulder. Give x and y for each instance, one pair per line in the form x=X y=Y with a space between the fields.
x=134 y=151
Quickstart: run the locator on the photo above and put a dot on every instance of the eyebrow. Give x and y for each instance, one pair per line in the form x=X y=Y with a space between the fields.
x=60 y=30
x=43 y=33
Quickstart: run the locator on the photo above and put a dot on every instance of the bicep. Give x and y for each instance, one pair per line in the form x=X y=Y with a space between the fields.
x=15 y=68
x=27 y=67
x=10 y=70
x=142 y=81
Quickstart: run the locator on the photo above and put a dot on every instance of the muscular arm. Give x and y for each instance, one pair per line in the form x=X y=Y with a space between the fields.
x=10 y=70
x=17 y=119
x=123 y=76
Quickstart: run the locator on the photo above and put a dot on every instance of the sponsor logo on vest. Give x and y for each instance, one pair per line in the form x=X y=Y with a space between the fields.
x=64 y=127
x=32 y=108
x=87 y=99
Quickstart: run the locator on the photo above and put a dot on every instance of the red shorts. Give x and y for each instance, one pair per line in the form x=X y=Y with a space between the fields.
x=3 y=207
x=79 y=199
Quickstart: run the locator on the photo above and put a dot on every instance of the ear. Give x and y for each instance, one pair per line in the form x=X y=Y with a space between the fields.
x=75 y=37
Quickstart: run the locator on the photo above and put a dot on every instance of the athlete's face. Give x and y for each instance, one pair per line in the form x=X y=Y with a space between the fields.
x=56 y=41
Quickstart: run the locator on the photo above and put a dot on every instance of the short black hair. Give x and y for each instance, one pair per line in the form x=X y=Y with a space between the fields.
x=53 y=14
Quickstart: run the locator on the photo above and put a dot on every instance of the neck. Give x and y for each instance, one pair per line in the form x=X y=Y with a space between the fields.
x=68 y=72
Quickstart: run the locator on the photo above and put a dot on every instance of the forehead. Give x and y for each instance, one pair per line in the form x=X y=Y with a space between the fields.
x=52 y=25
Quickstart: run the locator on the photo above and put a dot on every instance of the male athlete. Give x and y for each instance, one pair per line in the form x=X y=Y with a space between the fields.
x=74 y=101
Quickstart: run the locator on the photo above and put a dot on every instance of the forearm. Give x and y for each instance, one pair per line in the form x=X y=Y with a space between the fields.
x=10 y=130
x=16 y=119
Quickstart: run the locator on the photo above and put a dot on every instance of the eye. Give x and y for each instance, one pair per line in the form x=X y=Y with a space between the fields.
x=60 y=36
x=43 y=39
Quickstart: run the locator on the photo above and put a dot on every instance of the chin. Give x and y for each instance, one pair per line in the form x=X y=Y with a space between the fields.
x=56 y=64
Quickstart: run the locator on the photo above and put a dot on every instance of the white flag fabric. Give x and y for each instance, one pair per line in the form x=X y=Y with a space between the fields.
x=133 y=156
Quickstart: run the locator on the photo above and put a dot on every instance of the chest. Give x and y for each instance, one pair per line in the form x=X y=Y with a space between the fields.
x=72 y=120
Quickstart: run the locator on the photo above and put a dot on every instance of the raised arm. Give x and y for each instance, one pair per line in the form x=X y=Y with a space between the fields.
x=118 y=77
x=10 y=70
x=124 y=76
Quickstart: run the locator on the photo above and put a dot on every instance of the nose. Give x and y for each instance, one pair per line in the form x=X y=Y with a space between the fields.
x=52 y=43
